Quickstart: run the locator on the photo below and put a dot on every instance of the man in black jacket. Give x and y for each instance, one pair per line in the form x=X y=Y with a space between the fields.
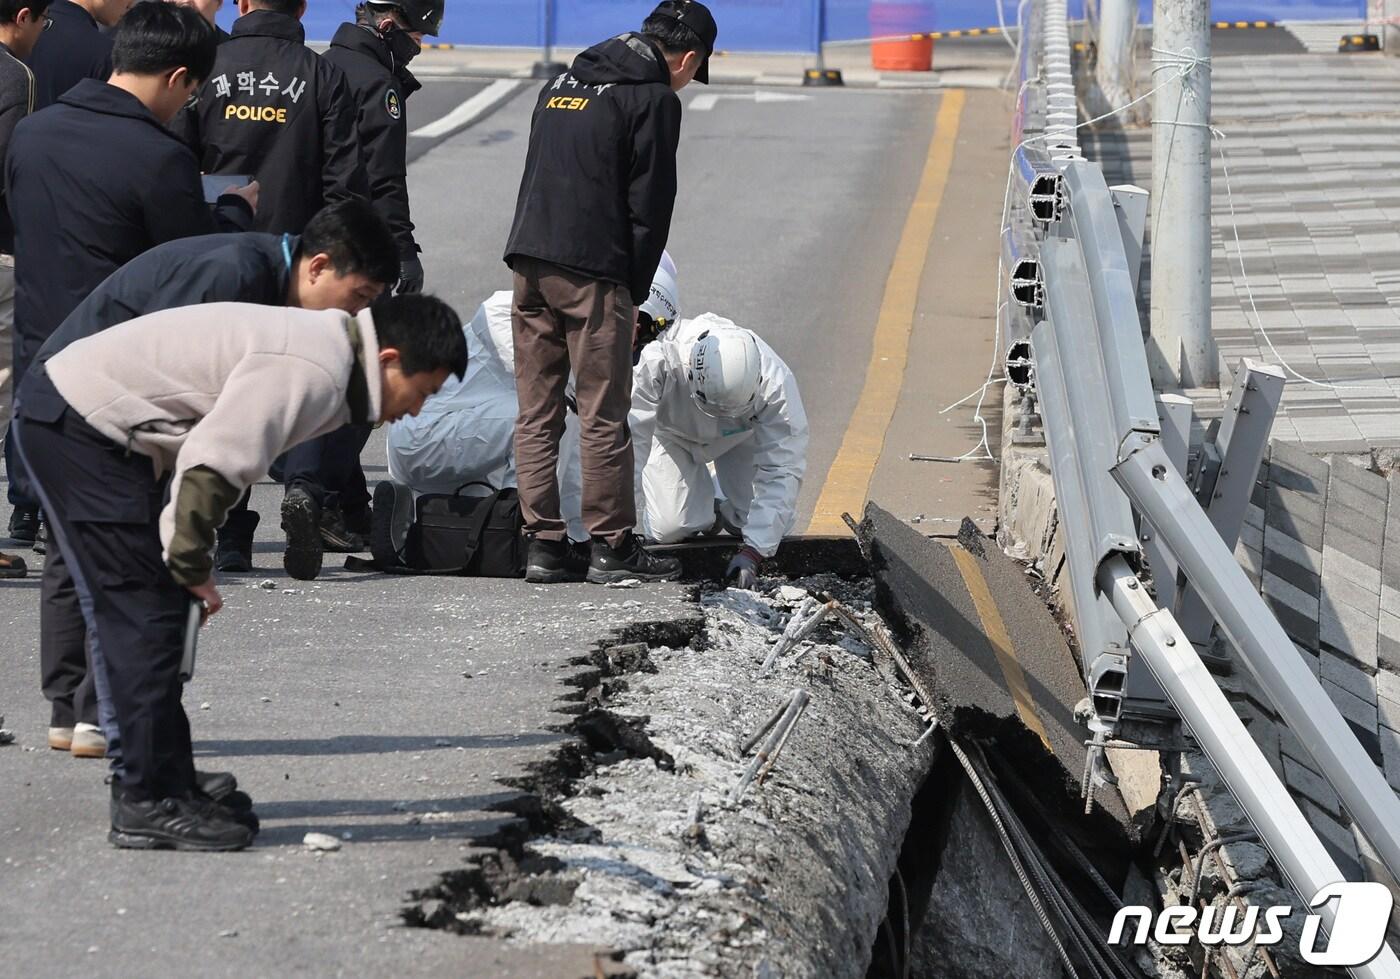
x=590 y=224
x=344 y=259
x=79 y=216
x=76 y=45
x=21 y=23
x=374 y=53
x=274 y=109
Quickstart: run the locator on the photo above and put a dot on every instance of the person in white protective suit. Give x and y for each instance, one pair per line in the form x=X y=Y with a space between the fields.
x=465 y=433
x=710 y=392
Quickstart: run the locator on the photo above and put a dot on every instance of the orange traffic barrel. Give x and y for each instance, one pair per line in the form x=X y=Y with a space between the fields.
x=907 y=46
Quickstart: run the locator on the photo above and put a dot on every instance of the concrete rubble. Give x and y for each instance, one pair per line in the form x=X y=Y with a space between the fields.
x=644 y=854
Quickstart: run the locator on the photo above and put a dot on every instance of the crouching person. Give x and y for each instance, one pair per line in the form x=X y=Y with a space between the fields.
x=119 y=422
x=705 y=392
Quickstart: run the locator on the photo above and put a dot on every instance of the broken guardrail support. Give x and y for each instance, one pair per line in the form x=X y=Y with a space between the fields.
x=1225 y=481
x=1281 y=825
x=1162 y=496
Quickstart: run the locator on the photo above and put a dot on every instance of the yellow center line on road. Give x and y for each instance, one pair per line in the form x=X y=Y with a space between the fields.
x=848 y=479
x=1000 y=639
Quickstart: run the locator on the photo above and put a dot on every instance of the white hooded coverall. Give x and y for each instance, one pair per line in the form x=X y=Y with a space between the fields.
x=759 y=460
x=466 y=432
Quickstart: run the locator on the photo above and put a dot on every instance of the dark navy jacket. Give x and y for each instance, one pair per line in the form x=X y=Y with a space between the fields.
x=92 y=182
x=71 y=49
x=379 y=89
x=228 y=268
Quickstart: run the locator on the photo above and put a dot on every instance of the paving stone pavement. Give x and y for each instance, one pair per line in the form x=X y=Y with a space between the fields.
x=1306 y=219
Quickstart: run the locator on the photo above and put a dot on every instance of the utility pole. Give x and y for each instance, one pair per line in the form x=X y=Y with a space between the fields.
x=1113 y=70
x=1182 y=349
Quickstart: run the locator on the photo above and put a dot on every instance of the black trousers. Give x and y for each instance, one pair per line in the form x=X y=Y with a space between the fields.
x=104 y=505
x=64 y=672
x=328 y=468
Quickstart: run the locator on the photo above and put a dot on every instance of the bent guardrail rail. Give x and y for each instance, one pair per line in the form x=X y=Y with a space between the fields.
x=1127 y=511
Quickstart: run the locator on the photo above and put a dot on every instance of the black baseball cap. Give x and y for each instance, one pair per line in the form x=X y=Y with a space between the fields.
x=696 y=16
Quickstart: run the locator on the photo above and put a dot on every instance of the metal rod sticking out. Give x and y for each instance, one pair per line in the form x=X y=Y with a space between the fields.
x=796 y=704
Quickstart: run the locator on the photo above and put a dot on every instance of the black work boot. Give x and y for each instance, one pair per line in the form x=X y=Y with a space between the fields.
x=191 y=823
x=630 y=560
x=235 y=550
x=301 y=519
x=554 y=561
x=335 y=536
x=24 y=524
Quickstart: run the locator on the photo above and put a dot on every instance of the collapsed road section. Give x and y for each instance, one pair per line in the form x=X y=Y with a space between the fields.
x=860 y=776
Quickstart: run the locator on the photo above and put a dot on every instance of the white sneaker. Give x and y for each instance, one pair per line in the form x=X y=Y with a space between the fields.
x=88 y=742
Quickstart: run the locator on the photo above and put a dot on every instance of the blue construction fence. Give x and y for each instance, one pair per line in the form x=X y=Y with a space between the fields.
x=761 y=25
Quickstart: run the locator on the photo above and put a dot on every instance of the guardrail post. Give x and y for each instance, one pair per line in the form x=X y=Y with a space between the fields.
x=1239 y=446
x=1182 y=351
x=547 y=67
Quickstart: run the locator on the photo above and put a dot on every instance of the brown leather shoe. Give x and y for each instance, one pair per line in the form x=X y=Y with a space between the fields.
x=12 y=566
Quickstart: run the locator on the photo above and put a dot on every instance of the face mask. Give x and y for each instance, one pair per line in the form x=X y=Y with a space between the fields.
x=401 y=45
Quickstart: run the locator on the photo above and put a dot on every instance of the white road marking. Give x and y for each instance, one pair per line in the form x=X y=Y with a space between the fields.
x=470 y=110
x=706 y=101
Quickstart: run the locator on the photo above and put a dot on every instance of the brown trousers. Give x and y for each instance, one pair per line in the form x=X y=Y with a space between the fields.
x=562 y=319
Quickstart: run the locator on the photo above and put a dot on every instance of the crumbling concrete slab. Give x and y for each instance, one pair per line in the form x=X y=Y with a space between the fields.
x=989 y=650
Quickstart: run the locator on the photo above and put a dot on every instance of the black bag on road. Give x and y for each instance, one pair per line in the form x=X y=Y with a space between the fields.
x=452 y=534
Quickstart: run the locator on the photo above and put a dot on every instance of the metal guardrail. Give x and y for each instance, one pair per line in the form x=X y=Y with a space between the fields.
x=1129 y=508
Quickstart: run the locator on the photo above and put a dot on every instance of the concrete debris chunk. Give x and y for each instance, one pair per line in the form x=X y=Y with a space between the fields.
x=267 y=584
x=320 y=842
x=624 y=583
x=789 y=593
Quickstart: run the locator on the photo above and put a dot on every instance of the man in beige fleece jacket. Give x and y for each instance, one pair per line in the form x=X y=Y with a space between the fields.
x=140 y=446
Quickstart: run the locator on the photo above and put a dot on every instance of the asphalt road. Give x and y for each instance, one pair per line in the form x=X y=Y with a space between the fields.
x=787 y=221
x=343 y=705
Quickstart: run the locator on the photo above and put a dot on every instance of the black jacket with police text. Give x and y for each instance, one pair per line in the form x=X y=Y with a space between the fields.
x=276 y=110
x=600 y=173
x=226 y=268
x=379 y=89
x=92 y=182
x=70 y=49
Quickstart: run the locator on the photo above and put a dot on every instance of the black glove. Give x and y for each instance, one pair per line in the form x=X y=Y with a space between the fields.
x=743 y=569
x=410 y=276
